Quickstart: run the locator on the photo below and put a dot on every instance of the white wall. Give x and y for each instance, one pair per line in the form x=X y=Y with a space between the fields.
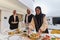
x=4 y=22
x=12 y=4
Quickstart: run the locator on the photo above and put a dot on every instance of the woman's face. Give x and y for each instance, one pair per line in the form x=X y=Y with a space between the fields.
x=37 y=11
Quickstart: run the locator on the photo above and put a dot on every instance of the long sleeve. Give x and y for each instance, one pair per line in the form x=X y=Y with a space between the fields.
x=32 y=24
x=44 y=25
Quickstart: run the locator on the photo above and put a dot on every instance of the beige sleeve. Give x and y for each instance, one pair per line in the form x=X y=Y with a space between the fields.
x=44 y=25
x=32 y=24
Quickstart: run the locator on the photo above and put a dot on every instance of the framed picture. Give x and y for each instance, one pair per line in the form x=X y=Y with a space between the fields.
x=20 y=17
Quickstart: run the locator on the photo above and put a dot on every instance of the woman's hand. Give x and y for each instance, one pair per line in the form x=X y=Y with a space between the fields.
x=39 y=32
x=29 y=31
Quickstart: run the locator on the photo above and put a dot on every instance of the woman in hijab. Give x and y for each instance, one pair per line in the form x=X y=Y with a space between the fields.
x=39 y=22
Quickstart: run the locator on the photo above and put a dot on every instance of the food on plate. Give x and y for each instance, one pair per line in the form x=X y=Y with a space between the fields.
x=57 y=38
x=17 y=31
x=46 y=37
x=10 y=33
x=34 y=35
x=53 y=39
x=25 y=35
x=55 y=32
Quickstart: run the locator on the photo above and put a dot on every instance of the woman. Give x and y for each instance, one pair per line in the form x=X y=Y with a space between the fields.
x=39 y=22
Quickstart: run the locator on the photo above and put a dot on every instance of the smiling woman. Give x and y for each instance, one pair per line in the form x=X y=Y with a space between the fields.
x=42 y=5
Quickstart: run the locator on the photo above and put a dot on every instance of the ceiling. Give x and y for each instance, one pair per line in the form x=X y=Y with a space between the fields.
x=53 y=6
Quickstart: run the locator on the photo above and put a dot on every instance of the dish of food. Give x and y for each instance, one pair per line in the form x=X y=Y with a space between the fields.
x=34 y=35
x=55 y=32
x=46 y=37
x=14 y=32
x=10 y=33
x=18 y=31
x=24 y=35
x=55 y=39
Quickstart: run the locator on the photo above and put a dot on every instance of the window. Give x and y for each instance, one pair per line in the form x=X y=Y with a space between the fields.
x=56 y=20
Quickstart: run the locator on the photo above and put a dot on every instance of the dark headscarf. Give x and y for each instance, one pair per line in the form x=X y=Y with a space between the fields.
x=39 y=9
